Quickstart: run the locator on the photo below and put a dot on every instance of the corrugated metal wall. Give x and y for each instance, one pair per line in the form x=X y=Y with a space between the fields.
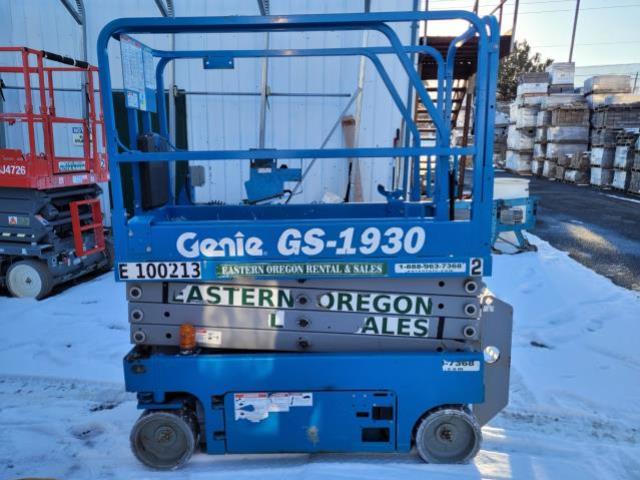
x=217 y=121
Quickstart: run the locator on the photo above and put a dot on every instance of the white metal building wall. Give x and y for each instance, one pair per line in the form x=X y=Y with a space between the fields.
x=46 y=25
x=223 y=121
x=231 y=122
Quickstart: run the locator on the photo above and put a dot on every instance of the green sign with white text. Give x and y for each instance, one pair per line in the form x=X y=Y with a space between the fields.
x=355 y=269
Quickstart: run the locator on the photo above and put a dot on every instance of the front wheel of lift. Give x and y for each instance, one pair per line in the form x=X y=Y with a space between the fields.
x=448 y=435
x=164 y=440
x=29 y=279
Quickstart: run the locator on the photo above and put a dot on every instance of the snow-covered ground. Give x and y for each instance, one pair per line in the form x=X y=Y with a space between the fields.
x=574 y=411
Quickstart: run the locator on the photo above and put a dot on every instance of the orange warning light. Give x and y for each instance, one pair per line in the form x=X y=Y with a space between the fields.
x=187 y=338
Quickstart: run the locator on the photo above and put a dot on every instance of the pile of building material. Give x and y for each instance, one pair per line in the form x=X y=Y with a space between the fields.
x=578 y=169
x=577 y=138
x=532 y=89
x=540 y=145
x=568 y=138
x=634 y=186
x=561 y=75
x=623 y=160
x=615 y=115
x=564 y=135
x=500 y=133
x=604 y=90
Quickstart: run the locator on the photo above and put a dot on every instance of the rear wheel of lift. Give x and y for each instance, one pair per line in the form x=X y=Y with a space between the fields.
x=448 y=435
x=164 y=440
x=29 y=278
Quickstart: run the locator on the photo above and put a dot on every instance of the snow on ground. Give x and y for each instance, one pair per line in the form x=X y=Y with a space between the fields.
x=574 y=410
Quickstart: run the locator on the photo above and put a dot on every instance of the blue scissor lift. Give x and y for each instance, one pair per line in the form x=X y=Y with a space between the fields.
x=234 y=400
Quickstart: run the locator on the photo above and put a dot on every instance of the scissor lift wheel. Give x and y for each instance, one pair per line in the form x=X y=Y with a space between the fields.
x=449 y=435
x=164 y=440
x=29 y=278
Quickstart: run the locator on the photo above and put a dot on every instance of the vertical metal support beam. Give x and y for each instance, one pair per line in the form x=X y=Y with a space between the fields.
x=3 y=135
x=263 y=6
x=515 y=24
x=573 y=34
x=410 y=106
x=80 y=16
x=465 y=142
x=355 y=187
x=172 y=116
x=132 y=124
x=264 y=96
x=167 y=10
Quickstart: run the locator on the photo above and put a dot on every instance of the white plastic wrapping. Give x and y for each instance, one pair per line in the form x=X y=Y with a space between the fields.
x=539 y=88
x=602 y=157
x=517 y=140
x=543 y=118
x=556 y=150
x=568 y=134
x=501 y=118
x=527 y=117
x=623 y=157
x=541 y=134
x=561 y=73
x=539 y=150
x=513 y=111
x=549 y=169
x=531 y=100
x=621 y=179
x=596 y=100
x=577 y=176
x=536 y=167
x=608 y=84
x=602 y=177
x=562 y=99
x=518 y=161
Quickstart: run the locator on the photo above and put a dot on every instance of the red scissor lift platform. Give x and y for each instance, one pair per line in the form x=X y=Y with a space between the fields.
x=50 y=218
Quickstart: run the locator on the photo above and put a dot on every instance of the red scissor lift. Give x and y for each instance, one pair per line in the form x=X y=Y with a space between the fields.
x=50 y=217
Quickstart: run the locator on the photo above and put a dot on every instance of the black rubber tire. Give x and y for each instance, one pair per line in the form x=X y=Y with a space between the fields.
x=22 y=273
x=164 y=440
x=448 y=435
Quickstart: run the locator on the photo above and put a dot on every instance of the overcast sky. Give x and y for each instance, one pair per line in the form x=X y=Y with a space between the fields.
x=608 y=31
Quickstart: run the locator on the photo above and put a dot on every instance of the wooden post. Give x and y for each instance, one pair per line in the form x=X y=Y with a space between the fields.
x=573 y=34
x=515 y=23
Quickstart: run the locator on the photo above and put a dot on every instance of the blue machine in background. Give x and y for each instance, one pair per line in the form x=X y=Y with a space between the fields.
x=197 y=389
x=515 y=216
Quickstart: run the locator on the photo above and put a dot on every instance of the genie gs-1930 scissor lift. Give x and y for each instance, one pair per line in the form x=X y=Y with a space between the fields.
x=277 y=327
x=50 y=217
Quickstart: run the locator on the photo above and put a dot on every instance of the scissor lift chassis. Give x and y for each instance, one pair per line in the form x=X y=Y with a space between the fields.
x=36 y=225
x=359 y=402
x=302 y=376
